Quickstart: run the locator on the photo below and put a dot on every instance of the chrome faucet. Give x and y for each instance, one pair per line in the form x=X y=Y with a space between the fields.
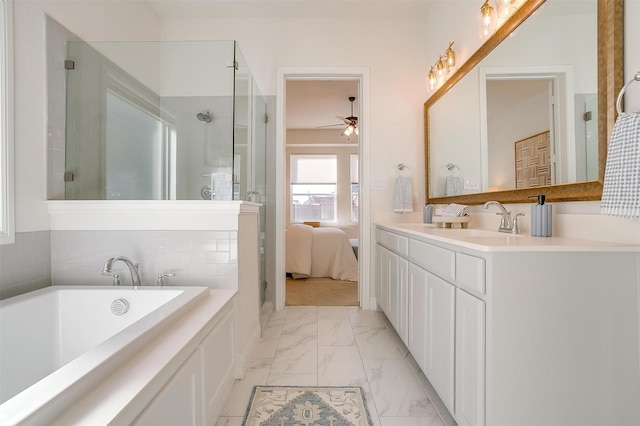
x=133 y=269
x=507 y=224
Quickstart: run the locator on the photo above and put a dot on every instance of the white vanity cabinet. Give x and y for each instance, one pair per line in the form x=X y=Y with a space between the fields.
x=517 y=330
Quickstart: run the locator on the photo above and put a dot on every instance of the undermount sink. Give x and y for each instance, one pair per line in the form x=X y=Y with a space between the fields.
x=457 y=232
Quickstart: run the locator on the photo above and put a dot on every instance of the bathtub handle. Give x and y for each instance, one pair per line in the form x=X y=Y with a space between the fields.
x=160 y=281
x=116 y=279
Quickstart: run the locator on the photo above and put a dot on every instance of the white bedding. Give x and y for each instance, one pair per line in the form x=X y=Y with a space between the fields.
x=319 y=252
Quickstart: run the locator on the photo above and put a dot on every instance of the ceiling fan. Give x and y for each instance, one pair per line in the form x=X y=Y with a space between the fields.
x=351 y=121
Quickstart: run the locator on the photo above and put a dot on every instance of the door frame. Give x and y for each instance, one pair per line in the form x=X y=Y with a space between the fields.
x=361 y=75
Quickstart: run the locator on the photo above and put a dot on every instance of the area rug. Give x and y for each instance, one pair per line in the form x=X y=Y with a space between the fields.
x=307 y=406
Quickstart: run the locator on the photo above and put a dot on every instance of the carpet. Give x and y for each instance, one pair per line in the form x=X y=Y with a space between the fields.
x=307 y=406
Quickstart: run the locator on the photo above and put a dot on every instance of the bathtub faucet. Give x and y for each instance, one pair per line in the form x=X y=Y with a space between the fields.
x=133 y=269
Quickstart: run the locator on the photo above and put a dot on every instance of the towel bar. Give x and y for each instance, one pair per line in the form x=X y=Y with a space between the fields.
x=621 y=94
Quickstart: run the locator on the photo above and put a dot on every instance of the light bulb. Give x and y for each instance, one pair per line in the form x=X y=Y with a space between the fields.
x=440 y=67
x=487 y=19
x=432 y=78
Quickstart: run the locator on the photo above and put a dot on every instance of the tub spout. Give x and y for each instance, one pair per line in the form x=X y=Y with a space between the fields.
x=133 y=269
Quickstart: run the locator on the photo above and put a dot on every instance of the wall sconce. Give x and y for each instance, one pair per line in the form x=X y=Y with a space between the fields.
x=487 y=20
x=443 y=66
x=506 y=7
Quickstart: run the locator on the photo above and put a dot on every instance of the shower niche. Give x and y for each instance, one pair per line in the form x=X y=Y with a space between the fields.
x=170 y=120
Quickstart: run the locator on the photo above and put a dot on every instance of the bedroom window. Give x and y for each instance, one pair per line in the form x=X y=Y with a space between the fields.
x=314 y=182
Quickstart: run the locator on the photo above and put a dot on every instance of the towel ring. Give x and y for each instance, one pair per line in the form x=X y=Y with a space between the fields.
x=621 y=94
x=402 y=166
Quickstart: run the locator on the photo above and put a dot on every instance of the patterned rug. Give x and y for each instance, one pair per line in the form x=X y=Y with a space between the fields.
x=307 y=406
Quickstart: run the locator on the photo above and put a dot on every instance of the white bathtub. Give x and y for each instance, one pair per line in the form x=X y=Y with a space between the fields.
x=65 y=338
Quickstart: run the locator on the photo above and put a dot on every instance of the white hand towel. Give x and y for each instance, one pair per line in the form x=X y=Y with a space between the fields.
x=455 y=210
x=403 y=195
x=621 y=191
x=452 y=185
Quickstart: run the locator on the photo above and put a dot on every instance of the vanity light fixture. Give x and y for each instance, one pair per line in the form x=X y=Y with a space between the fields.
x=487 y=19
x=443 y=66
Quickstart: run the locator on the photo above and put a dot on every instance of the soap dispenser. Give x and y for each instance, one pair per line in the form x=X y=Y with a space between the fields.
x=540 y=218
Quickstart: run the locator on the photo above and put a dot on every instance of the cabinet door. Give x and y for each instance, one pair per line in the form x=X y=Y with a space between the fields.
x=418 y=314
x=179 y=402
x=470 y=359
x=440 y=325
x=397 y=309
x=392 y=312
x=402 y=296
x=382 y=259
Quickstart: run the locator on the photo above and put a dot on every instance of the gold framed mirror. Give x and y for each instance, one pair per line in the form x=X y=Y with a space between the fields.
x=609 y=83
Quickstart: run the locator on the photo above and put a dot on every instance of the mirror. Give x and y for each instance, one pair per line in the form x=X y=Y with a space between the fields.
x=487 y=168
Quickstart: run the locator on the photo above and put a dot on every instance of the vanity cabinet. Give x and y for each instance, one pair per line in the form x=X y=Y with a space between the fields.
x=515 y=329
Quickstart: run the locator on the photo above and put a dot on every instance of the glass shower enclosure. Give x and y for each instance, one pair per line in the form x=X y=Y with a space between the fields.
x=170 y=120
x=162 y=121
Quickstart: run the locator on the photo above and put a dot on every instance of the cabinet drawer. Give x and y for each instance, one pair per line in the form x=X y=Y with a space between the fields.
x=394 y=242
x=470 y=272
x=434 y=259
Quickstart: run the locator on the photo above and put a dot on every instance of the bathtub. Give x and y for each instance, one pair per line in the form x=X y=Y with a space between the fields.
x=61 y=342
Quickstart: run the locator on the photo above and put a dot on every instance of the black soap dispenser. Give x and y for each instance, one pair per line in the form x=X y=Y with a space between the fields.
x=540 y=218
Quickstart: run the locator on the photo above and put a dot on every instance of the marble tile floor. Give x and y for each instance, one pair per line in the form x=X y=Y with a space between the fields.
x=336 y=346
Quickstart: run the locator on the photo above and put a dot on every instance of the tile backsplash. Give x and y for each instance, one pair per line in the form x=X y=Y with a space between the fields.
x=25 y=265
x=202 y=258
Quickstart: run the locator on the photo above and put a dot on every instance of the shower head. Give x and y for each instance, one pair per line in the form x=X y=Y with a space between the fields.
x=205 y=117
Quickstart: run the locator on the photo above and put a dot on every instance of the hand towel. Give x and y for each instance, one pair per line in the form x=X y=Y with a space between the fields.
x=222 y=186
x=455 y=210
x=403 y=195
x=452 y=185
x=621 y=191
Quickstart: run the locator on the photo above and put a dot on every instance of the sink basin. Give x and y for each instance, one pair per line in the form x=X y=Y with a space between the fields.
x=456 y=232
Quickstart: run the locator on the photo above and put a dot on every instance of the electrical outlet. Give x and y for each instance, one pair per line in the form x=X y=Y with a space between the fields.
x=472 y=183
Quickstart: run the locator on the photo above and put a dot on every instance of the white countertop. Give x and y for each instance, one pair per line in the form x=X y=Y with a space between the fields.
x=494 y=241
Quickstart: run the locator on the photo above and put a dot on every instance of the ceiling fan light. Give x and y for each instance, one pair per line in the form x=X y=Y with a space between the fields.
x=348 y=130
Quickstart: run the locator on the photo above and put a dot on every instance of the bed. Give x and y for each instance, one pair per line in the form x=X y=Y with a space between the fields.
x=319 y=252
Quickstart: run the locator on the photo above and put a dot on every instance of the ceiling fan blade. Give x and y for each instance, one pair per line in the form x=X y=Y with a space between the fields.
x=330 y=125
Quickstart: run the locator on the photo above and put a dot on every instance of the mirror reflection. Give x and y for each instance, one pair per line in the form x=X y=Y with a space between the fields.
x=153 y=121
x=526 y=115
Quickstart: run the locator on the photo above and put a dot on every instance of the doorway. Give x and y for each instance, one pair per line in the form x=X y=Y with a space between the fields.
x=358 y=78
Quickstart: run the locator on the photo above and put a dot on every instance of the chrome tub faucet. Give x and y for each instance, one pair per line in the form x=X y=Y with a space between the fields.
x=133 y=270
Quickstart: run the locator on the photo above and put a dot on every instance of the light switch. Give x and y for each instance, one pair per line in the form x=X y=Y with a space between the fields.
x=380 y=184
